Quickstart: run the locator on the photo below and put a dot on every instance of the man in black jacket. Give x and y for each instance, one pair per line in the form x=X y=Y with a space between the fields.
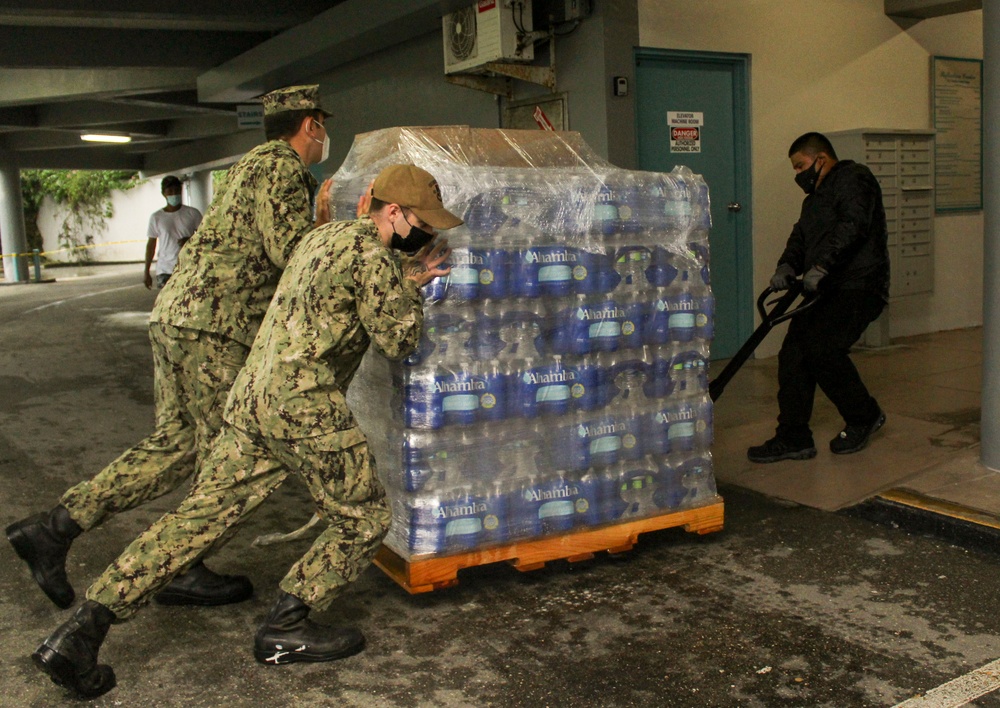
x=839 y=248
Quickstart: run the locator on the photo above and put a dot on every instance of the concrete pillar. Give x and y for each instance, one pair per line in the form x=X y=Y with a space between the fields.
x=200 y=190
x=990 y=420
x=12 y=235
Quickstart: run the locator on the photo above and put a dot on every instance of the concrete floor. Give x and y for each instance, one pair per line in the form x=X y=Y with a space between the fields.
x=790 y=606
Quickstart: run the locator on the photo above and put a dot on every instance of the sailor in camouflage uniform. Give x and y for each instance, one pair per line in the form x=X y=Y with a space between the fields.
x=201 y=329
x=343 y=290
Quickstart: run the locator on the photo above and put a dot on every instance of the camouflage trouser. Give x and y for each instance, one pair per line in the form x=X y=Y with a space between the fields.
x=239 y=473
x=192 y=374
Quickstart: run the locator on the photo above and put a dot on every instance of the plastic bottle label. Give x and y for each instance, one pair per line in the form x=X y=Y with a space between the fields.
x=464 y=275
x=604 y=329
x=681 y=320
x=556 y=509
x=681 y=430
x=546 y=394
x=460 y=402
x=555 y=273
x=608 y=443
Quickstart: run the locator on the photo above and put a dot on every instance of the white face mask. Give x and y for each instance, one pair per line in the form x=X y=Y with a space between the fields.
x=326 y=145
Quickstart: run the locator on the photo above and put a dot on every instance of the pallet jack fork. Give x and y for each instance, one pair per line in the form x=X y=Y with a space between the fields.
x=778 y=313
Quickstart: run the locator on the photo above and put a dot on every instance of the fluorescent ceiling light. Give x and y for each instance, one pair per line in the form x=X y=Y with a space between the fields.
x=102 y=138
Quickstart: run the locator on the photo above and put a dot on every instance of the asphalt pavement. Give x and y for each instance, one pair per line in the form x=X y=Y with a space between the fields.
x=788 y=606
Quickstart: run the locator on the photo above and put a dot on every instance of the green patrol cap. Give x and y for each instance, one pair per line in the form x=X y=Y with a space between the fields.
x=415 y=189
x=293 y=98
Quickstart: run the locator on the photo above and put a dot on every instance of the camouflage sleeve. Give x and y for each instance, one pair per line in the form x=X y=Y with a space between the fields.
x=284 y=210
x=390 y=306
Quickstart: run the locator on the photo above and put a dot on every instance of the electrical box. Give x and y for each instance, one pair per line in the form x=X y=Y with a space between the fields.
x=555 y=12
x=488 y=30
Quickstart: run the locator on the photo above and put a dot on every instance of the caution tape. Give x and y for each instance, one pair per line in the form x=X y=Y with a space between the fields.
x=73 y=249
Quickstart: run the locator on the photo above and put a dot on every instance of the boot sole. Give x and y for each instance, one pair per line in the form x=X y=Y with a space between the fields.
x=26 y=552
x=807 y=454
x=293 y=657
x=63 y=673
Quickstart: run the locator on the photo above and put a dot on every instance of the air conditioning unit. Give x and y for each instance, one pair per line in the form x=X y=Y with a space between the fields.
x=486 y=31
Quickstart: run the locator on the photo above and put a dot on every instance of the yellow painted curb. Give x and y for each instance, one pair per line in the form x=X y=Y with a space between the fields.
x=938 y=506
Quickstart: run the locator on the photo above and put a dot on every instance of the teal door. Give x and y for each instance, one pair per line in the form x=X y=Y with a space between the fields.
x=716 y=86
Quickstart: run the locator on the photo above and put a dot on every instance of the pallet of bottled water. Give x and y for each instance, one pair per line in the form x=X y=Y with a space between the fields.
x=561 y=379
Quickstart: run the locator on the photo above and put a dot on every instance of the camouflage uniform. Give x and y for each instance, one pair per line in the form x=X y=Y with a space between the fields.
x=203 y=323
x=342 y=290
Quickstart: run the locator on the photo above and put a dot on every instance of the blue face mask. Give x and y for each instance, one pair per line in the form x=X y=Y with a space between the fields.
x=174 y=200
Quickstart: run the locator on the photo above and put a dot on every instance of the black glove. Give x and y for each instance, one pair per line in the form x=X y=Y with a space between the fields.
x=783 y=277
x=810 y=281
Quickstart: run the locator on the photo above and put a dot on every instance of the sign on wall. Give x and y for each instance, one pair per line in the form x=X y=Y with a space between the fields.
x=957 y=113
x=685 y=130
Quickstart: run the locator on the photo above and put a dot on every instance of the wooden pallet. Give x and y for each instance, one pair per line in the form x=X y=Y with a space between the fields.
x=427 y=573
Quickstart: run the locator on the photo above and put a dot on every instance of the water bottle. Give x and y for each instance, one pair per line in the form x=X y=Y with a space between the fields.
x=450 y=522
x=652 y=202
x=588 y=390
x=594 y=273
x=422 y=403
x=493 y=272
x=661 y=272
x=605 y=219
x=698 y=482
x=677 y=204
x=631 y=489
x=632 y=408
x=570 y=447
x=672 y=317
x=670 y=491
x=629 y=220
x=549 y=506
x=704 y=323
x=485 y=215
x=521 y=332
x=552 y=267
x=682 y=418
x=590 y=503
x=463 y=281
x=418 y=450
x=631 y=264
x=659 y=382
x=457 y=388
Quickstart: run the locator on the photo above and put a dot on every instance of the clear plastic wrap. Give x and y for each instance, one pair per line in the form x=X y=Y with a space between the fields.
x=561 y=381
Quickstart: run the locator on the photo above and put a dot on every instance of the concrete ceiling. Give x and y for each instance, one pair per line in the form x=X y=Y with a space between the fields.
x=170 y=73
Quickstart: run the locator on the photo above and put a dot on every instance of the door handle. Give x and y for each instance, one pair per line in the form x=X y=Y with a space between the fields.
x=734 y=206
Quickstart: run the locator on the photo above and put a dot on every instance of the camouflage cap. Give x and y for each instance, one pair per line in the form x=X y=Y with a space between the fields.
x=293 y=98
x=415 y=189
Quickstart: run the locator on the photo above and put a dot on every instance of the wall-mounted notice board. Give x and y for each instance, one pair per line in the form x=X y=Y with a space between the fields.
x=957 y=112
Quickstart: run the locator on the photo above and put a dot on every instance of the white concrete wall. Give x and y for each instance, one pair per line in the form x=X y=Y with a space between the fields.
x=830 y=65
x=124 y=239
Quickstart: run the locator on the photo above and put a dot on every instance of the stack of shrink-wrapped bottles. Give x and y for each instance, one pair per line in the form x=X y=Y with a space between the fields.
x=561 y=380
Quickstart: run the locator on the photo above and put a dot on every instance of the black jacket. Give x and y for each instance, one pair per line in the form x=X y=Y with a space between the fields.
x=842 y=229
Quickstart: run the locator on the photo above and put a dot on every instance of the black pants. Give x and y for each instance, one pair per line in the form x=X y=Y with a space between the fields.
x=816 y=351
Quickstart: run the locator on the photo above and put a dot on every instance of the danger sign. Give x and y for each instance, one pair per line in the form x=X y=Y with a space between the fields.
x=687 y=139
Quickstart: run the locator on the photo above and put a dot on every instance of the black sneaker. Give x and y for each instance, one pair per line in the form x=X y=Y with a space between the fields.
x=776 y=449
x=855 y=437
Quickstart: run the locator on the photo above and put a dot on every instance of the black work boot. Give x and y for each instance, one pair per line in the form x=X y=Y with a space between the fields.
x=201 y=586
x=287 y=636
x=69 y=655
x=42 y=541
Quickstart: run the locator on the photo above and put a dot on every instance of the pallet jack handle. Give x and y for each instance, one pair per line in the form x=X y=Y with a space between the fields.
x=778 y=313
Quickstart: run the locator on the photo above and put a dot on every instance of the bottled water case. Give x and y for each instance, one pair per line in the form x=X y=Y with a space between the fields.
x=561 y=381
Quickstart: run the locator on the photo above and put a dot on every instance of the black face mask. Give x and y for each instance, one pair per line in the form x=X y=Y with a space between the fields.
x=806 y=179
x=413 y=242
